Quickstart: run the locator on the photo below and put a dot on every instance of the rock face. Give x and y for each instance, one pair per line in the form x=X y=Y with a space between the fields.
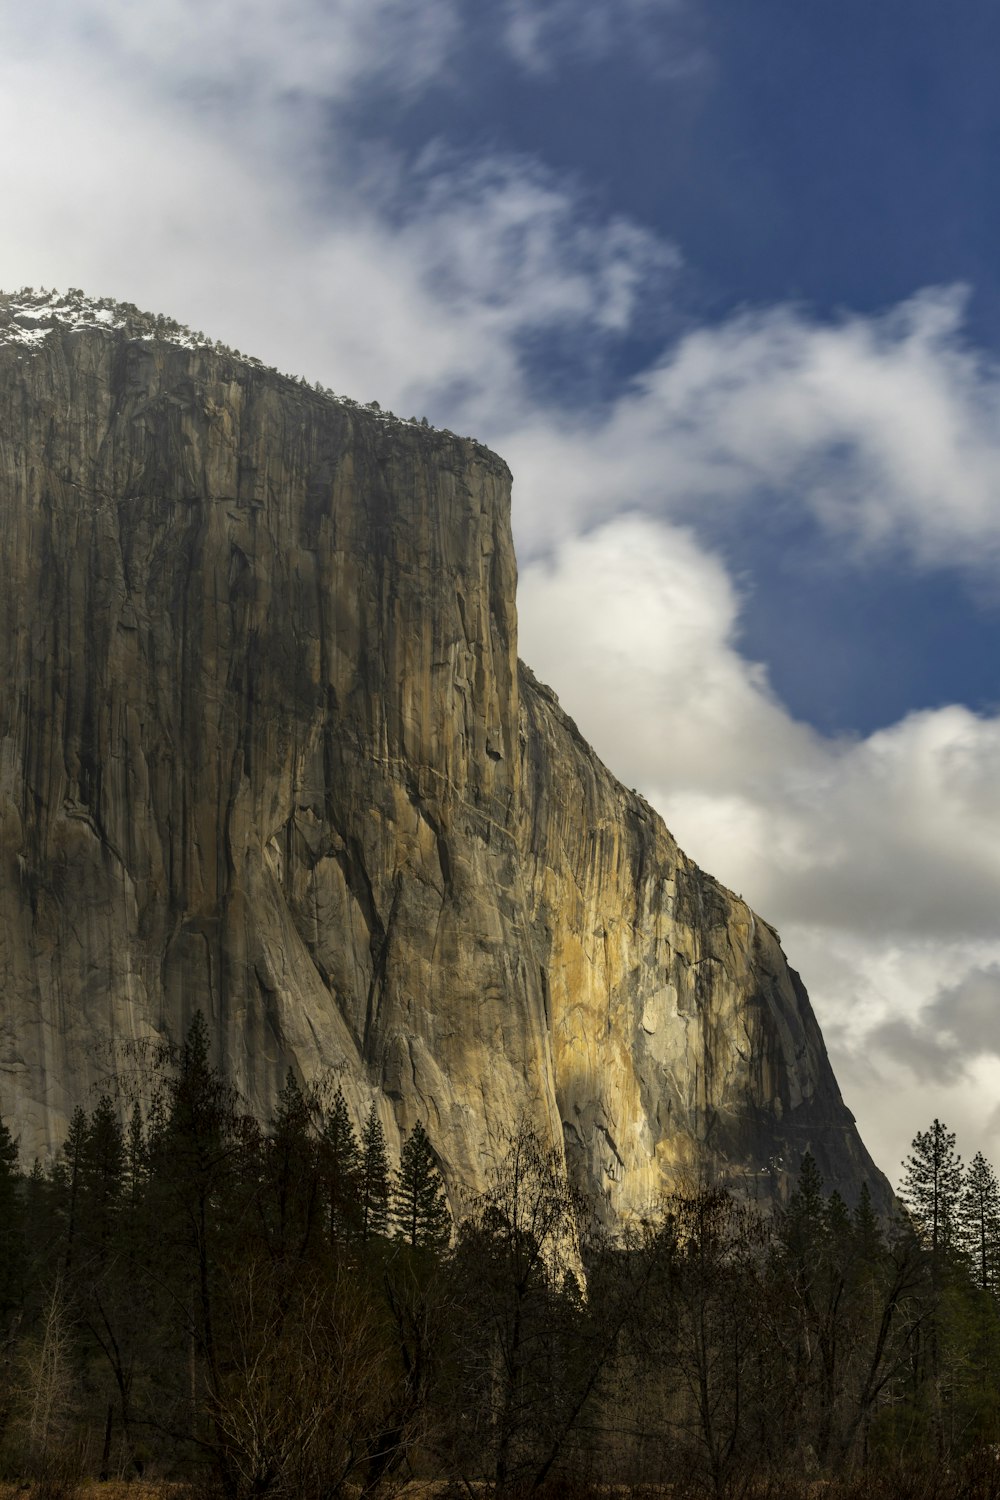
x=266 y=750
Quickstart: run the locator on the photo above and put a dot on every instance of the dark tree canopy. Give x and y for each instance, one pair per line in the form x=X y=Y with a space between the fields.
x=190 y=1289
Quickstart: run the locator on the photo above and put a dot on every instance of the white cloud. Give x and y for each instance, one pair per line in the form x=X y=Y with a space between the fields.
x=887 y=429
x=509 y=251
x=900 y=1054
x=960 y=1024
x=632 y=622
x=899 y=831
x=246 y=54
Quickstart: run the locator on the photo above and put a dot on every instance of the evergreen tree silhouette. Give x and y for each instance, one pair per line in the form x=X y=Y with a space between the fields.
x=420 y=1208
x=291 y=1199
x=374 y=1196
x=803 y=1225
x=136 y=1157
x=979 y=1221
x=932 y=1186
x=931 y=1189
x=72 y=1170
x=340 y=1164
x=102 y=1175
x=11 y=1226
x=868 y=1239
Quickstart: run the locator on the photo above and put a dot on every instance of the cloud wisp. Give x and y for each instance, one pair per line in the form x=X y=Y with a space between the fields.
x=886 y=429
x=538 y=34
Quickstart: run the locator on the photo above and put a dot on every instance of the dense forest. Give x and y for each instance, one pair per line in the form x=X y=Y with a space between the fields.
x=257 y=1310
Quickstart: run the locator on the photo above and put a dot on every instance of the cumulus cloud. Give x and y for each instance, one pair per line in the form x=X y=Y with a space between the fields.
x=633 y=623
x=513 y=237
x=887 y=429
x=882 y=1001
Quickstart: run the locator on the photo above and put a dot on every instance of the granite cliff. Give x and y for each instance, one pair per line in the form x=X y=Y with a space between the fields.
x=266 y=750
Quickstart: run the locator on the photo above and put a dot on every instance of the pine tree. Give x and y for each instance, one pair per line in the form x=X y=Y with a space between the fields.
x=73 y=1155
x=807 y=1198
x=420 y=1208
x=979 y=1221
x=813 y=1299
x=803 y=1223
x=932 y=1186
x=43 y=1217
x=193 y=1138
x=102 y=1175
x=11 y=1226
x=198 y=1195
x=292 y=1179
x=868 y=1239
x=374 y=1197
x=838 y=1222
x=340 y=1159
x=136 y=1157
x=931 y=1189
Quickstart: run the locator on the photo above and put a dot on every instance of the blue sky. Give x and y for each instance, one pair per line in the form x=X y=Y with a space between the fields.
x=835 y=156
x=721 y=281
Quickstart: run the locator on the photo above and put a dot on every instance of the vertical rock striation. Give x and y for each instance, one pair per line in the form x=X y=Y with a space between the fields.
x=266 y=750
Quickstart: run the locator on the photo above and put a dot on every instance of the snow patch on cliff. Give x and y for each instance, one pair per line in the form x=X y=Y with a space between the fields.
x=29 y=317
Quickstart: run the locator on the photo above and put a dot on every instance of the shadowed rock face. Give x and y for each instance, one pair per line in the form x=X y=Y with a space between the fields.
x=266 y=750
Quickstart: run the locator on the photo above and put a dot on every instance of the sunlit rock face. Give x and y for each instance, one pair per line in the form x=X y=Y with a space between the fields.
x=266 y=751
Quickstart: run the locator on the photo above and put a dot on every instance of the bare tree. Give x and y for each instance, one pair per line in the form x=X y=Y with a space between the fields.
x=45 y=1390
x=310 y=1385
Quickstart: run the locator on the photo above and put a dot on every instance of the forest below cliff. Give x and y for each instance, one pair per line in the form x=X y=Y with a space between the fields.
x=254 y=1310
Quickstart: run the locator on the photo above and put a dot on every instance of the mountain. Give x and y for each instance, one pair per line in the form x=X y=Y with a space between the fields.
x=267 y=751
